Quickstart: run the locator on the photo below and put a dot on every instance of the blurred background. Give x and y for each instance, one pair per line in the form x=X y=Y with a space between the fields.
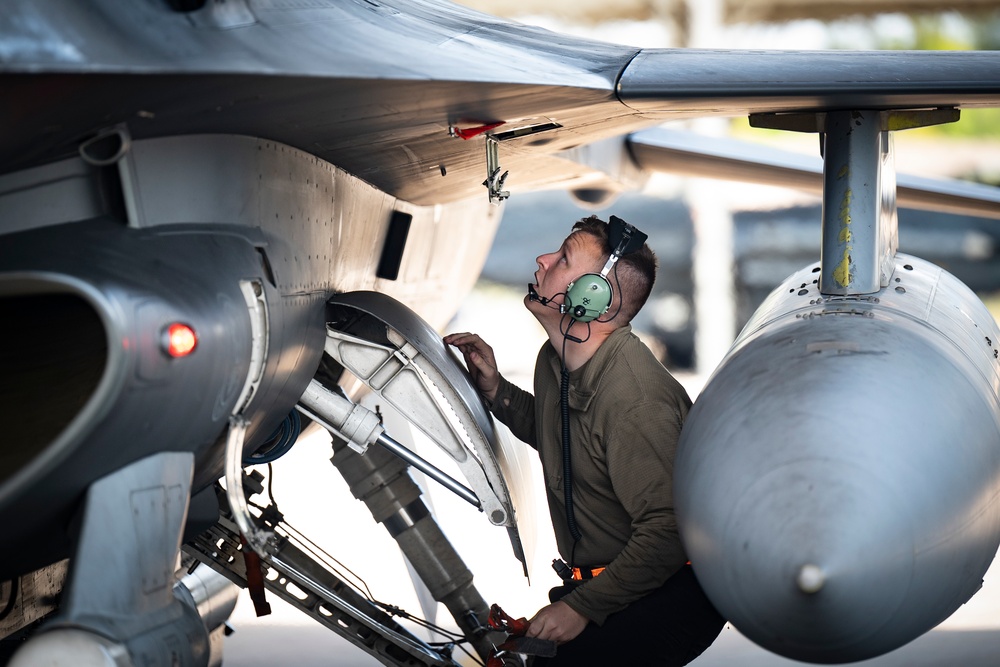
x=722 y=247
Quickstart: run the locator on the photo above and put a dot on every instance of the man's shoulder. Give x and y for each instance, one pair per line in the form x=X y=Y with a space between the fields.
x=638 y=373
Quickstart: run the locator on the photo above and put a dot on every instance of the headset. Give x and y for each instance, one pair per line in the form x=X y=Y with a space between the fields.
x=590 y=296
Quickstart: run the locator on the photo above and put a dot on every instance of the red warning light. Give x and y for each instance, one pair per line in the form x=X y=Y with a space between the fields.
x=180 y=340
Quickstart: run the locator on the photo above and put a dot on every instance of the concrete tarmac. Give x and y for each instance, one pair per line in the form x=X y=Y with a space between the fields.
x=309 y=645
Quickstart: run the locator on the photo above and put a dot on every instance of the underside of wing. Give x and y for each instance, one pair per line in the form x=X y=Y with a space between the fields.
x=384 y=89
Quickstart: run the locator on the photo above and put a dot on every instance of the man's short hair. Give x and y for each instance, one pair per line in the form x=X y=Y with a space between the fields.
x=636 y=271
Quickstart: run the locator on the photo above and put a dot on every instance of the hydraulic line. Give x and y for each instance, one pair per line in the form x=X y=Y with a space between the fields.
x=279 y=443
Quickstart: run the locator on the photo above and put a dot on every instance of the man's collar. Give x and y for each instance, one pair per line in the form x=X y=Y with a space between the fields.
x=586 y=380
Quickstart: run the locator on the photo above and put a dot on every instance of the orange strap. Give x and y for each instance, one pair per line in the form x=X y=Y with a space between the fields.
x=586 y=573
x=580 y=575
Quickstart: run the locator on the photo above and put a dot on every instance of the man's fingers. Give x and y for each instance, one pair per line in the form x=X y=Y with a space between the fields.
x=486 y=366
x=479 y=359
x=536 y=628
x=556 y=622
x=464 y=338
x=472 y=346
x=544 y=630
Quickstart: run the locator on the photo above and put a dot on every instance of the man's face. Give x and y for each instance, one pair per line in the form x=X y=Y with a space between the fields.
x=580 y=253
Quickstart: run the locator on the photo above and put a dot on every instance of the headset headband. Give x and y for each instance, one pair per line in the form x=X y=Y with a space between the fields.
x=624 y=238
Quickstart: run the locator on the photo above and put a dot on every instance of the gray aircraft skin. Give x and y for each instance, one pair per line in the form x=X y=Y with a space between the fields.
x=231 y=166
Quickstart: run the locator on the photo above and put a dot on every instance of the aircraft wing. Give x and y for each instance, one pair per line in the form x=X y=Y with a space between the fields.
x=374 y=88
x=731 y=82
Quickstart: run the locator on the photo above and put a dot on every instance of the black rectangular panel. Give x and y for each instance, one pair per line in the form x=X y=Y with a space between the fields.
x=395 y=243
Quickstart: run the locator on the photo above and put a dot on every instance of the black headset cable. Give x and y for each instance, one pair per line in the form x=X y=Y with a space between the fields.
x=574 y=530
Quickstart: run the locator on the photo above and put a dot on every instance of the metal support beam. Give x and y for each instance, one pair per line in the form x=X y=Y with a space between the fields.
x=860 y=226
x=859 y=205
x=359 y=427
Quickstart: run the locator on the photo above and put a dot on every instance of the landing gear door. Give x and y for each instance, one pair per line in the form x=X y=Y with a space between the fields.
x=403 y=359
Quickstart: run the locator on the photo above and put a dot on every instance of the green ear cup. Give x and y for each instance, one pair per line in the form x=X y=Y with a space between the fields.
x=588 y=297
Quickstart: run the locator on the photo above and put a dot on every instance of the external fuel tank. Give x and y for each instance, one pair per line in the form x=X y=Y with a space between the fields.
x=837 y=481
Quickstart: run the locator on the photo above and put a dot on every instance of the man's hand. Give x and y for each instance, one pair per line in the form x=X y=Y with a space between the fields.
x=480 y=361
x=557 y=622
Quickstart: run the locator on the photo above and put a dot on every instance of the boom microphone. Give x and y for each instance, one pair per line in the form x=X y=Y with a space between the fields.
x=533 y=295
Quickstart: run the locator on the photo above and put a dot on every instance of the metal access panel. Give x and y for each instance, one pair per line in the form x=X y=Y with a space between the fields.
x=403 y=359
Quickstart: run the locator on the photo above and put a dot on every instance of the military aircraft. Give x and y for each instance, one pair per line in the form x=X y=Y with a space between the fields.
x=215 y=213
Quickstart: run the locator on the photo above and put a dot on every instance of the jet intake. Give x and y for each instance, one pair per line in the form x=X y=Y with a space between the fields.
x=53 y=352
